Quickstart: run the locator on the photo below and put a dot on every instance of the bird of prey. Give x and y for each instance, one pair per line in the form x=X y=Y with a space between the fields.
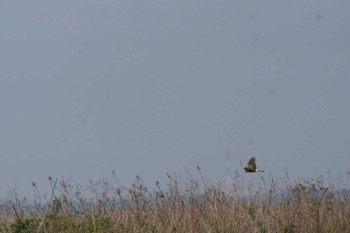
x=252 y=166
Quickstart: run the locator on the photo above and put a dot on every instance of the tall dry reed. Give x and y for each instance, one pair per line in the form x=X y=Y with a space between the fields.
x=190 y=205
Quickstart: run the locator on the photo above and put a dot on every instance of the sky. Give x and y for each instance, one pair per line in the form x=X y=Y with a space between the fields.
x=154 y=87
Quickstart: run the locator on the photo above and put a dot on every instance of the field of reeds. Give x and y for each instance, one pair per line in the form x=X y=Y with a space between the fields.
x=190 y=204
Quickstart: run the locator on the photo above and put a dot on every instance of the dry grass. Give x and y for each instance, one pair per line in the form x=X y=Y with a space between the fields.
x=184 y=206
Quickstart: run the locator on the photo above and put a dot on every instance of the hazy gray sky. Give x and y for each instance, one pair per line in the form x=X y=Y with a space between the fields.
x=150 y=87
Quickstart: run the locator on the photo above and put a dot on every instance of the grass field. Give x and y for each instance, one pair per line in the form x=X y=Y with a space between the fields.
x=185 y=205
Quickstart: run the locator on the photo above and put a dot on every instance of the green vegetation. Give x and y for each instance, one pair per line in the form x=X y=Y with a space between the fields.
x=184 y=206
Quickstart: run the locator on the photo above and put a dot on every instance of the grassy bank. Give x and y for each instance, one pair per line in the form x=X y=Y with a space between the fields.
x=189 y=205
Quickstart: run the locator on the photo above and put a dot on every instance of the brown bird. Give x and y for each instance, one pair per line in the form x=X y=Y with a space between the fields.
x=252 y=166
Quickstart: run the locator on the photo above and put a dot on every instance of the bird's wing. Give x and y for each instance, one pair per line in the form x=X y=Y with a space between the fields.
x=251 y=164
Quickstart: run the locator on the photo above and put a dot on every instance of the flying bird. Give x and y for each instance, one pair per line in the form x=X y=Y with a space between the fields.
x=252 y=166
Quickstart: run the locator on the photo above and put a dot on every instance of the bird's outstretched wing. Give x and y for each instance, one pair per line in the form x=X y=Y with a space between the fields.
x=251 y=167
